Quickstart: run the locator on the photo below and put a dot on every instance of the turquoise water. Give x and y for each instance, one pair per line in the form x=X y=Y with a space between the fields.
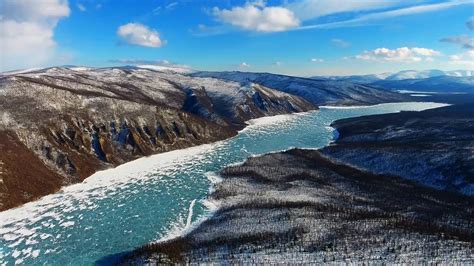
x=152 y=198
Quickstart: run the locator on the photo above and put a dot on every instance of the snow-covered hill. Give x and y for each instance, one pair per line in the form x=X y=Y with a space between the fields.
x=68 y=122
x=402 y=75
x=413 y=74
x=448 y=84
x=319 y=92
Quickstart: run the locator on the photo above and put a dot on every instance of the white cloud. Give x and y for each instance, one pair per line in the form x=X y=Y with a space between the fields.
x=380 y=15
x=424 y=51
x=165 y=8
x=403 y=54
x=465 y=41
x=465 y=59
x=310 y=9
x=28 y=30
x=21 y=37
x=244 y=65
x=34 y=10
x=340 y=43
x=157 y=10
x=418 y=9
x=256 y=16
x=171 y=5
x=81 y=7
x=470 y=23
x=139 y=34
x=317 y=60
x=278 y=63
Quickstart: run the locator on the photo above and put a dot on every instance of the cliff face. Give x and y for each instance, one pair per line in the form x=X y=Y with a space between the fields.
x=60 y=125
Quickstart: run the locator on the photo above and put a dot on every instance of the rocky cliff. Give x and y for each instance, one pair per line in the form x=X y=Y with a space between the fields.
x=60 y=125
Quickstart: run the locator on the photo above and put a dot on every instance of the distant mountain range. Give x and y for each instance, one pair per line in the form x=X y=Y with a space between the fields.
x=425 y=81
x=447 y=84
x=402 y=75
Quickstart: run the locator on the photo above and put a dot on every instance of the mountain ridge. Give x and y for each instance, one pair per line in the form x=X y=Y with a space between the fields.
x=318 y=92
x=70 y=123
x=423 y=81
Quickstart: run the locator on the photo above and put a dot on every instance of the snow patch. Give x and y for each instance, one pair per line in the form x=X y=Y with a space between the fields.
x=190 y=213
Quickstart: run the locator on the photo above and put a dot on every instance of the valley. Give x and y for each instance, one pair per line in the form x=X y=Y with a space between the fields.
x=72 y=122
x=155 y=197
x=363 y=198
x=243 y=132
x=168 y=132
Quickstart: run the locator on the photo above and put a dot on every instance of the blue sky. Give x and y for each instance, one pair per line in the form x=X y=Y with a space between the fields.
x=297 y=37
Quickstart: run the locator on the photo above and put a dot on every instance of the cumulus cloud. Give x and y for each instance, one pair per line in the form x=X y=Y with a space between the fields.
x=465 y=59
x=465 y=41
x=317 y=60
x=278 y=63
x=28 y=30
x=256 y=16
x=340 y=43
x=139 y=34
x=470 y=23
x=403 y=54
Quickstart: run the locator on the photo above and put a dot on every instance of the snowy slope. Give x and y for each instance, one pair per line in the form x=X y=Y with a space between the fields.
x=319 y=92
